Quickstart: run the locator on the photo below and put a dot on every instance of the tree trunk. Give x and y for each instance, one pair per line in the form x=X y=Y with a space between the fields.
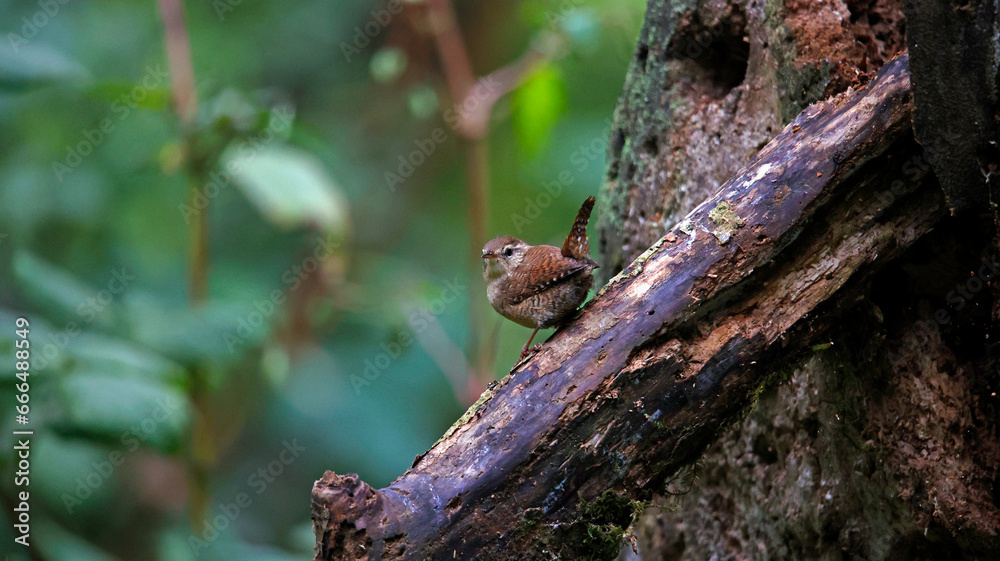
x=806 y=285
x=884 y=445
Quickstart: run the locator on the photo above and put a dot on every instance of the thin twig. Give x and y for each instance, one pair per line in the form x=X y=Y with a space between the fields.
x=451 y=47
x=185 y=96
x=179 y=59
x=186 y=105
x=460 y=79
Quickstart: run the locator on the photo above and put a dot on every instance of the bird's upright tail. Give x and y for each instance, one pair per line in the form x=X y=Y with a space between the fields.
x=576 y=245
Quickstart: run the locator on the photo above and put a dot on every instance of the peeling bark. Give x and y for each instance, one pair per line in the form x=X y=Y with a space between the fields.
x=557 y=458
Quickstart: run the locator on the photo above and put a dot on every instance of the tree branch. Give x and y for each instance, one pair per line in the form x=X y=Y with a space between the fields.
x=550 y=460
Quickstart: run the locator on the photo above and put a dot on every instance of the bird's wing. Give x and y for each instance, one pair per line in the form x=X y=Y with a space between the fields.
x=542 y=266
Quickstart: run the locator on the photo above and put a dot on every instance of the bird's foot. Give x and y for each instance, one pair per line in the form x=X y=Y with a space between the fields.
x=526 y=352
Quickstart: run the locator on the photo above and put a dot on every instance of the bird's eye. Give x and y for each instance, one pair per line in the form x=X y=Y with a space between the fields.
x=507 y=252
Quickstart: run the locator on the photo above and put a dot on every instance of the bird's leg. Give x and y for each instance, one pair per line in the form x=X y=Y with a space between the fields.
x=524 y=350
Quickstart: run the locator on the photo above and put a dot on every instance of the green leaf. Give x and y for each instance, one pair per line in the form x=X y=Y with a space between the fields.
x=289 y=186
x=217 y=333
x=48 y=284
x=75 y=476
x=122 y=359
x=57 y=542
x=60 y=293
x=232 y=107
x=32 y=65
x=47 y=345
x=130 y=411
x=124 y=93
x=537 y=106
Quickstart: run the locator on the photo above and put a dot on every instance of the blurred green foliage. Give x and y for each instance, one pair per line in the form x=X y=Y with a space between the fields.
x=336 y=302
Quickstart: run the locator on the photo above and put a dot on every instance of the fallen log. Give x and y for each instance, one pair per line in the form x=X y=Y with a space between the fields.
x=555 y=459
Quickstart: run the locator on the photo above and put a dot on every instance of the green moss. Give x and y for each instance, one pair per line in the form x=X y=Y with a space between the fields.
x=754 y=399
x=726 y=221
x=676 y=104
x=801 y=85
x=597 y=535
x=685 y=479
x=486 y=395
x=804 y=86
x=529 y=520
x=772 y=380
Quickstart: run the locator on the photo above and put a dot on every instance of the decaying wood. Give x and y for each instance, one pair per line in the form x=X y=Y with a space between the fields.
x=551 y=459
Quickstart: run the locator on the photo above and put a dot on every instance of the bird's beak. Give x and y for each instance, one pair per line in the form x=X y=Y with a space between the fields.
x=489 y=255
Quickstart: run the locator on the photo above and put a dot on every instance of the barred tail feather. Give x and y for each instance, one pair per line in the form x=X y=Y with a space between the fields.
x=576 y=245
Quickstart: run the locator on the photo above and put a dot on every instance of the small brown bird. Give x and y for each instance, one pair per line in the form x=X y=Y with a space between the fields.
x=539 y=285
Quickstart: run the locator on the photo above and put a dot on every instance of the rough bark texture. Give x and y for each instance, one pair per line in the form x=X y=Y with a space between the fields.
x=884 y=445
x=859 y=455
x=711 y=83
x=956 y=63
x=557 y=457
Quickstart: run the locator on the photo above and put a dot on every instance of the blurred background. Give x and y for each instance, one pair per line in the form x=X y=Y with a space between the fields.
x=245 y=238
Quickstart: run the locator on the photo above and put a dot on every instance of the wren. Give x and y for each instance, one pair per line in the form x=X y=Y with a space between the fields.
x=539 y=285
